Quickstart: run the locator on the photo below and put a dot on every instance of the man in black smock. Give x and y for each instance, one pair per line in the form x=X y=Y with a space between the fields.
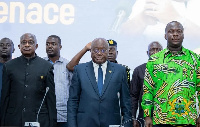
x=25 y=82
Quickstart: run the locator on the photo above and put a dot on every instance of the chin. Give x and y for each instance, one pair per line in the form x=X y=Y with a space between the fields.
x=26 y=53
x=51 y=55
x=111 y=60
x=100 y=62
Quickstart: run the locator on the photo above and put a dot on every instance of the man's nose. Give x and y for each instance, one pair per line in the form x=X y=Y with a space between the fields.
x=155 y=50
x=99 y=53
x=27 y=44
x=110 y=52
x=50 y=46
x=175 y=34
x=5 y=46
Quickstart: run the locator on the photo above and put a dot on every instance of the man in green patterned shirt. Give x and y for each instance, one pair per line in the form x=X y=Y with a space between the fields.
x=172 y=77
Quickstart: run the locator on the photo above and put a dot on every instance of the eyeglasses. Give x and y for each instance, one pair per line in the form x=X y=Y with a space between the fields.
x=28 y=42
x=99 y=50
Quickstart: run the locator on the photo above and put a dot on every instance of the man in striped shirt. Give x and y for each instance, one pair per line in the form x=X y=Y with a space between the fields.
x=62 y=77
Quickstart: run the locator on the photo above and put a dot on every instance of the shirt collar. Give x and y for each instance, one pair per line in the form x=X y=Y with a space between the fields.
x=182 y=52
x=97 y=65
x=61 y=60
x=30 y=59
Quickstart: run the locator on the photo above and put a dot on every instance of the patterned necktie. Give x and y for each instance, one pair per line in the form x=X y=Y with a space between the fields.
x=100 y=79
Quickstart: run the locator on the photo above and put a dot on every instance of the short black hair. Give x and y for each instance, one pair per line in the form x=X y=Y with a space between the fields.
x=5 y=38
x=171 y=23
x=55 y=36
x=30 y=34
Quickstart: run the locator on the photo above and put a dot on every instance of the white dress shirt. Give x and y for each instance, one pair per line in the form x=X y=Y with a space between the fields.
x=104 y=67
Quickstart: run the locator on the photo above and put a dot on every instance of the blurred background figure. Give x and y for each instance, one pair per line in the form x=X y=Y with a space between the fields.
x=149 y=18
x=112 y=57
x=136 y=87
x=6 y=50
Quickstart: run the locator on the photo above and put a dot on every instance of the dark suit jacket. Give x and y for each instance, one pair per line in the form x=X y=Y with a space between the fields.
x=24 y=86
x=86 y=108
x=136 y=91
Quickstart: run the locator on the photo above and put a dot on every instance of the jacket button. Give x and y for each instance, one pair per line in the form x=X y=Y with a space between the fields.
x=24 y=109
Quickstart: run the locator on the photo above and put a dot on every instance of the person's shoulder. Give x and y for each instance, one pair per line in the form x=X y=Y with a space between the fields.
x=83 y=65
x=191 y=52
x=64 y=60
x=13 y=61
x=42 y=61
x=127 y=68
x=119 y=66
x=45 y=58
x=142 y=65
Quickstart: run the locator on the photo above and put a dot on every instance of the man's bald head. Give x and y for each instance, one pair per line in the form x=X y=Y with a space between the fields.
x=153 y=48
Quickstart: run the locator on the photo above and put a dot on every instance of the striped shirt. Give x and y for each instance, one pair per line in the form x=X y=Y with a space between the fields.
x=62 y=79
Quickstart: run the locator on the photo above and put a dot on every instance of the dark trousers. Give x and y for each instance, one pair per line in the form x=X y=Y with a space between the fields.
x=61 y=124
x=167 y=125
x=141 y=122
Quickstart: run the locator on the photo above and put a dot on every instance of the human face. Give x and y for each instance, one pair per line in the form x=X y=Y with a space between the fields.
x=28 y=45
x=53 y=47
x=112 y=54
x=6 y=48
x=174 y=35
x=99 y=51
x=153 y=48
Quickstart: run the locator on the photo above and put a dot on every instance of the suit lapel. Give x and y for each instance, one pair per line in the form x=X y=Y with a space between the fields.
x=91 y=76
x=108 y=76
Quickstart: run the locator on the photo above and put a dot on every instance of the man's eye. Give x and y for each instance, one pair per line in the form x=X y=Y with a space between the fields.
x=31 y=42
x=24 y=42
x=96 y=50
x=180 y=31
x=170 y=31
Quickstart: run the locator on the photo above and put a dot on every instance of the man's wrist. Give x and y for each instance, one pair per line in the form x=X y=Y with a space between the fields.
x=147 y=113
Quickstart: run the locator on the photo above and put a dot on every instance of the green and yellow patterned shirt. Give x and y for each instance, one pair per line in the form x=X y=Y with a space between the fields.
x=170 y=85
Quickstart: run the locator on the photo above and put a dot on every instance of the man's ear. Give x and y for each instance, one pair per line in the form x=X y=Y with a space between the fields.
x=13 y=50
x=60 y=47
x=165 y=37
x=36 y=46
